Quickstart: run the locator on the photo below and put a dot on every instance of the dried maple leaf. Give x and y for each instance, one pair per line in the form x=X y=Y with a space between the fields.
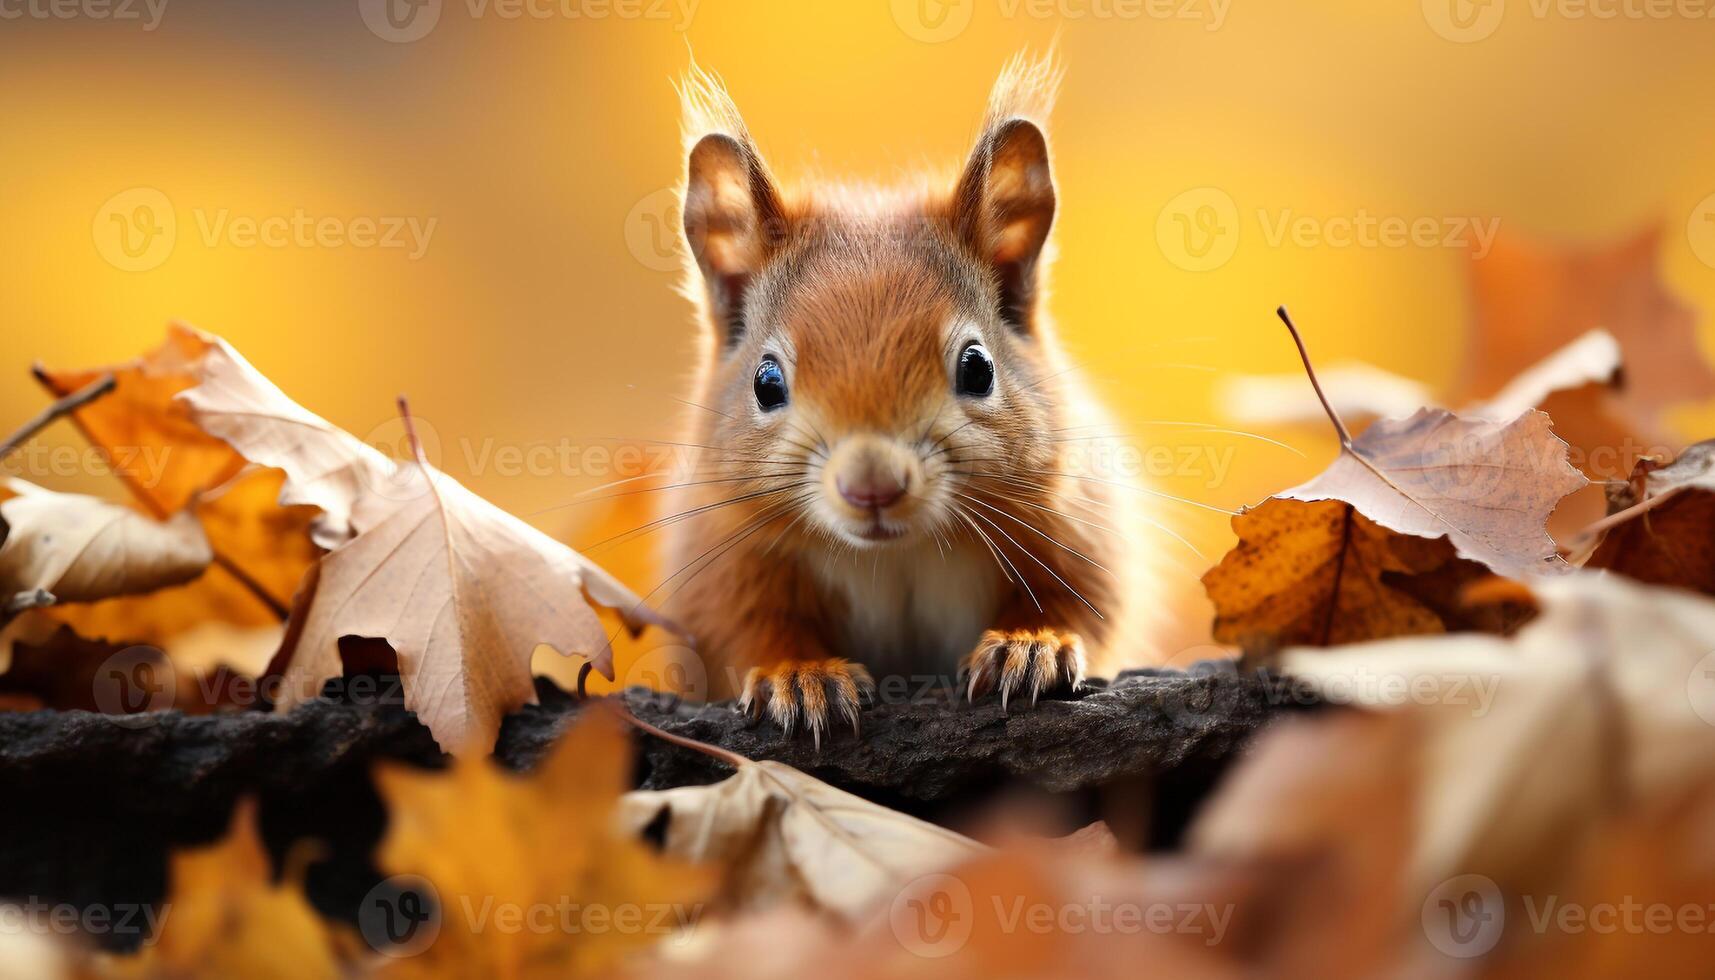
x=353 y=485
x=1487 y=487
x=1382 y=541
x=464 y=593
x=83 y=548
x=1662 y=529
x=495 y=847
x=1322 y=573
x=225 y=916
x=783 y=836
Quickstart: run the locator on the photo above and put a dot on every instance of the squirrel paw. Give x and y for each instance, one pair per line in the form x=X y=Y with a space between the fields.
x=1015 y=661
x=805 y=693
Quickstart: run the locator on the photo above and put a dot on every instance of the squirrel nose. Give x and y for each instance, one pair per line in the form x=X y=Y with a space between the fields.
x=872 y=491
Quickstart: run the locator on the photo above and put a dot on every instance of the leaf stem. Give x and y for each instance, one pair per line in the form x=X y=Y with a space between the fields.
x=1310 y=369
x=713 y=751
x=63 y=407
x=411 y=433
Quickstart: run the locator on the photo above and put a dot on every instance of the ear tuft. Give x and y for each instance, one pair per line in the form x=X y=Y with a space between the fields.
x=733 y=216
x=1005 y=202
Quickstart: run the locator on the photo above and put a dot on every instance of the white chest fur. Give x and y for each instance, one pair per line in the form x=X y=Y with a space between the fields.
x=912 y=609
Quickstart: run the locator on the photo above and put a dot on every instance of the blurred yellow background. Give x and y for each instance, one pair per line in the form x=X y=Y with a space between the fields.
x=469 y=202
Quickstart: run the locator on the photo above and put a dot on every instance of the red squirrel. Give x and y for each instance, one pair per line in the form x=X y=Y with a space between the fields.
x=884 y=416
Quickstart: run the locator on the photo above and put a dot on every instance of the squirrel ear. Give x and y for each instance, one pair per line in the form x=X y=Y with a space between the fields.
x=1004 y=207
x=733 y=222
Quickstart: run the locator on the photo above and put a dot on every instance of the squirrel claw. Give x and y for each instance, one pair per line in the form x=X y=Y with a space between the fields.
x=807 y=693
x=1013 y=661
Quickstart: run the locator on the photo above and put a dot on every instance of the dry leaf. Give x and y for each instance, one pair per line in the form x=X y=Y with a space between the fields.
x=225 y=916
x=463 y=592
x=1487 y=487
x=151 y=441
x=1321 y=573
x=170 y=463
x=1665 y=523
x=783 y=836
x=212 y=622
x=83 y=548
x=1594 y=704
x=353 y=485
x=1385 y=540
x=493 y=845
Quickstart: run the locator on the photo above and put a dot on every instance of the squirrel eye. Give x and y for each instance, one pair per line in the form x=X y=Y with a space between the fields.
x=770 y=385
x=976 y=371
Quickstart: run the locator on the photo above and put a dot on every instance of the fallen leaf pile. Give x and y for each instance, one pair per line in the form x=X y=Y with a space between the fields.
x=292 y=534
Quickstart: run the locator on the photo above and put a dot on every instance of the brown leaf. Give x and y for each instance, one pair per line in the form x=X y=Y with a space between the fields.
x=353 y=485
x=463 y=592
x=1665 y=534
x=215 y=621
x=1321 y=573
x=1488 y=487
x=1385 y=540
x=83 y=548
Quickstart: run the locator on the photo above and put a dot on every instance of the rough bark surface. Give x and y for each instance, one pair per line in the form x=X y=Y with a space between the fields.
x=93 y=804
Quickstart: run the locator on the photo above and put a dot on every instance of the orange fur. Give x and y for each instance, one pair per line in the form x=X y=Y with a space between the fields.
x=866 y=299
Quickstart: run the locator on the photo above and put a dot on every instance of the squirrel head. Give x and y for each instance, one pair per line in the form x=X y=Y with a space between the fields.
x=873 y=351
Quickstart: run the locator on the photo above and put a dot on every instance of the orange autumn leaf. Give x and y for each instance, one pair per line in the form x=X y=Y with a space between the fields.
x=226 y=916
x=170 y=463
x=1321 y=574
x=151 y=441
x=528 y=873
